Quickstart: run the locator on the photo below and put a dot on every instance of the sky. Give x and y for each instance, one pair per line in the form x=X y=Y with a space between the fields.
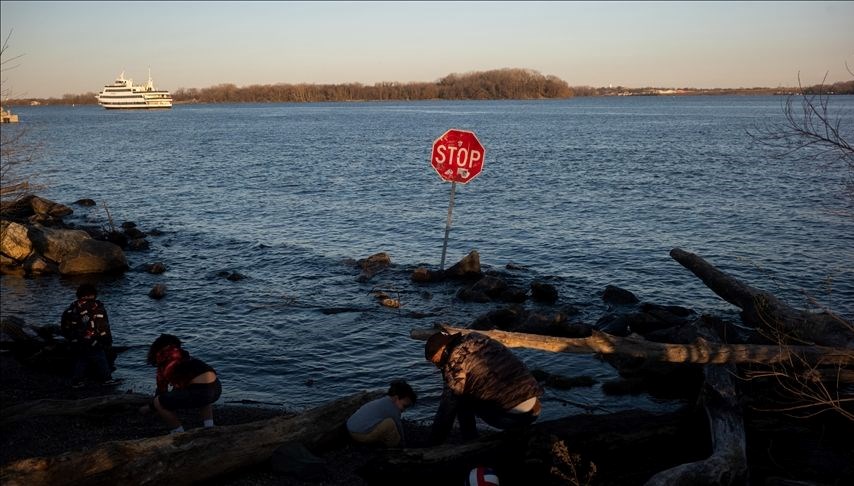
x=77 y=47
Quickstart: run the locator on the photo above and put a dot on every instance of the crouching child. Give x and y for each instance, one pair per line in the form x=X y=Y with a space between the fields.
x=183 y=382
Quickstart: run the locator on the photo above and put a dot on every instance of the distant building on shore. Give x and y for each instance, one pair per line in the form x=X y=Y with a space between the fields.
x=7 y=117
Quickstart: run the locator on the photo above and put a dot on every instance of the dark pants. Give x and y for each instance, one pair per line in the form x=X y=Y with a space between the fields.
x=91 y=361
x=468 y=409
x=196 y=395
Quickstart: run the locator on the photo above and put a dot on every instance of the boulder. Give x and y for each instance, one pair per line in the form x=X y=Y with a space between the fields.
x=514 y=294
x=94 y=256
x=490 y=285
x=55 y=244
x=617 y=296
x=467 y=268
x=49 y=208
x=14 y=241
x=543 y=292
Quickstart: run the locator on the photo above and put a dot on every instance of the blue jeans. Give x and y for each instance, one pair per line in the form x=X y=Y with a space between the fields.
x=92 y=361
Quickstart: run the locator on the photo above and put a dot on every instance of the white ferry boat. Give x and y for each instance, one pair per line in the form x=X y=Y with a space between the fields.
x=122 y=94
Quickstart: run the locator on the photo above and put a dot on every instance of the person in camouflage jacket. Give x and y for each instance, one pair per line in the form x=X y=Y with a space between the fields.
x=482 y=378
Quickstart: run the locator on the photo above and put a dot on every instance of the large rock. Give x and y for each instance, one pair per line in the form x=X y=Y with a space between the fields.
x=56 y=244
x=49 y=208
x=94 y=256
x=617 y=296
x=467 y=268
x=14 y=241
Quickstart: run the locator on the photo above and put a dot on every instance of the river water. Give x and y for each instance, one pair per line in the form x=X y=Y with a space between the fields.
x=581 y=193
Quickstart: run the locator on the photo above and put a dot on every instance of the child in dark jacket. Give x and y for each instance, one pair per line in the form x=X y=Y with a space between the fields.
x=86 y=329
x=194 y=384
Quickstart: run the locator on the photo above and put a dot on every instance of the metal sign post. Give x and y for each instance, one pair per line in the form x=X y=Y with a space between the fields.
x=448 y=224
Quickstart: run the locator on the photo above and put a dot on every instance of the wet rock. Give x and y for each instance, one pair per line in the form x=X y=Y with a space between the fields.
x=557 y=324
x=543 y=292
x=385 y=300
x=155 y=268
x=514 y=294
x=425 y=275
x=157 y=292
x=43 y=206
x=615 y=324
x=490 y=285
x=504 y=319
x=467 y=268
x=231 y=276
x=138 y=244
x=515 y=266
x=14 y=240
x=115 y=237
x=134 y=233
x=466 y=294
x=617 y=296
x=372 y=265
x=94 y=256
x=55 y=244
x=85 y=202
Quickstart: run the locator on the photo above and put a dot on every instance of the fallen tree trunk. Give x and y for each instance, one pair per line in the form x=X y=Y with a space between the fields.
x=48 y=407
x=619 y=444
x=728 y=462
x=190 y=457
x=766 y=312
x=702 y=351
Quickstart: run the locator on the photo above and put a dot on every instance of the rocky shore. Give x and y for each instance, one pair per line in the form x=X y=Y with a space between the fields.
x=53 y=435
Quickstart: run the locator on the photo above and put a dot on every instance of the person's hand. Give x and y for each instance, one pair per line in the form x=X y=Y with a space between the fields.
x=145 y=409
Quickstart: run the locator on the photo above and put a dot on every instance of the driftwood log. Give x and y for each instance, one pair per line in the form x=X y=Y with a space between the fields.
x=190 y=457
x=51 y=407
x=627 y=447
x=728 y=462
x=765 y=312
x=701 y=352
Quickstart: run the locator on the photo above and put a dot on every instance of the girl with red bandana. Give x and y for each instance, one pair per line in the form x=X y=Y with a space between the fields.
x=194 y=384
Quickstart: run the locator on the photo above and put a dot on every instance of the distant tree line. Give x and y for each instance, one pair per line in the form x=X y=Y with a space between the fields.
x=499 y=84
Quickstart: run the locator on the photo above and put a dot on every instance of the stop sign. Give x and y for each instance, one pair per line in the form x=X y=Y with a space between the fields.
x=457 y=156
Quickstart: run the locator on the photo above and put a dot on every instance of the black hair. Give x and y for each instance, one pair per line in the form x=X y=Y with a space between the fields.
x=85 y=290
x=401 y=389
x=161 y=342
